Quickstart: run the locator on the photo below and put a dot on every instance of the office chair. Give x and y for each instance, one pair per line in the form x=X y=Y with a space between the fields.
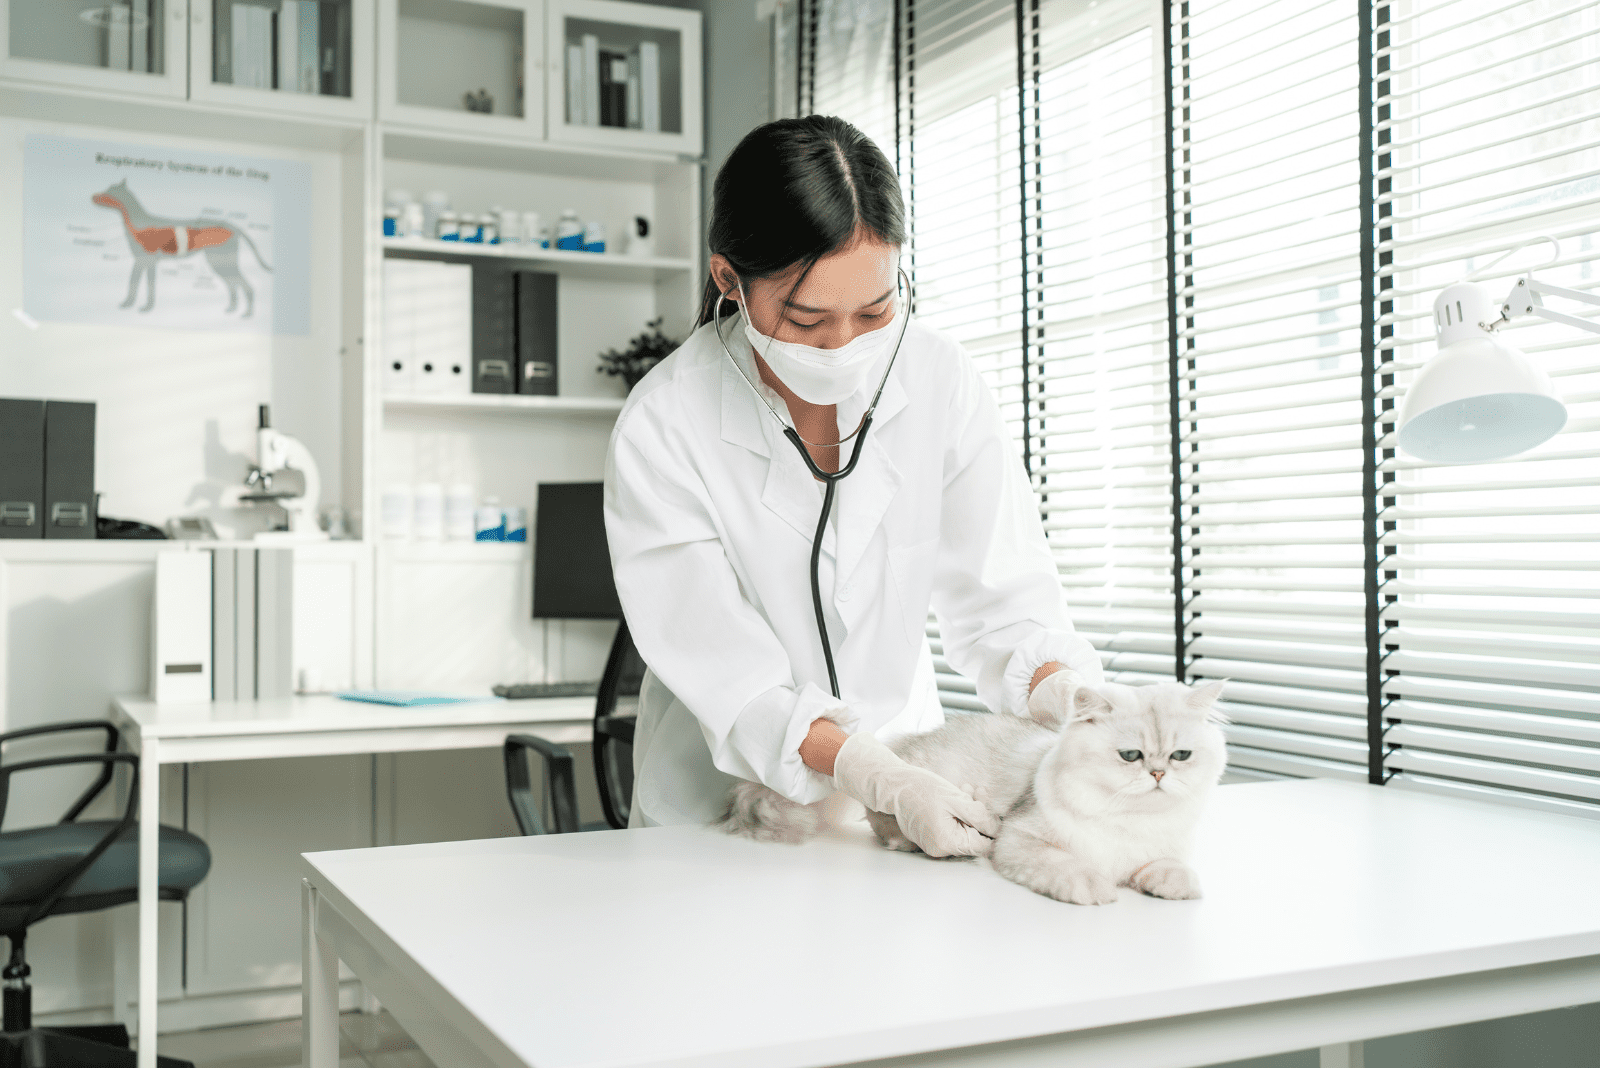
x=77 y=866
x=613 y=754
x=615 y=709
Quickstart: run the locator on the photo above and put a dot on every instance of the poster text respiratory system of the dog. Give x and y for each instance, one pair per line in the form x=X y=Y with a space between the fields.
x=152 y=236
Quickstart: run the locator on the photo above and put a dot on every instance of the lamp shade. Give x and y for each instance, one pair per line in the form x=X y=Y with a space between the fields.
x=1479 y=399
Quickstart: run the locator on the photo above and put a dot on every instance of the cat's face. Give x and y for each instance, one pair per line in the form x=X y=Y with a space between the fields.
x=1139 y=749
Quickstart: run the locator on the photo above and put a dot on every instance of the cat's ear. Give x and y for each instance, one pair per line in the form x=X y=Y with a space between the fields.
x=1088 y=706
x=1203 y=698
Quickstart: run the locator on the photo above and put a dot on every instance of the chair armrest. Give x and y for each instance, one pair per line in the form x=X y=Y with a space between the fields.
x=559 y=781
x=617 y=728
x=109 y=761
x=113 y=739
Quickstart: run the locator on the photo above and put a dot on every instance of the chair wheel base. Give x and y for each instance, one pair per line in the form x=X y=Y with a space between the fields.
x=42 y=1047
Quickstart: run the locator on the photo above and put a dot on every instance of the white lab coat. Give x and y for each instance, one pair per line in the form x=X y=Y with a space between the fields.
x=710 y=513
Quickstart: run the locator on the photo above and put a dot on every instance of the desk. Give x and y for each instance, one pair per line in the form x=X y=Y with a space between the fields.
x=300 y=727
x=1335 y=912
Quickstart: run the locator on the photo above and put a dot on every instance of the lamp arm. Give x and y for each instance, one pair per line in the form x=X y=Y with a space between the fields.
x=1524 y=299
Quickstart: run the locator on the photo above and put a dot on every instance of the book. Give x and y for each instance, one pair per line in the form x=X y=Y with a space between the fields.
x=298 y=26
x=306 y=79
x=650 y=86
x=119 y=37
x=140 y=36
x=536 y=297
x=69 y=498
x=591 y=80
x=633 y=90
x=494 y=328
x=224 y=681
x=252 y=46
x=613 y=88
x=333 y=40
x=288 y=29
x=21 y=468
x=575 y=85
x=274 y=623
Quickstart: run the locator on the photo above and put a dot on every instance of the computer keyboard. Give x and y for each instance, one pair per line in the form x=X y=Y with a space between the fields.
x=518 y=691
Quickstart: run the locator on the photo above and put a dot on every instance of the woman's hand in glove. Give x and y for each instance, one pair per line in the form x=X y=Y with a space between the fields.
x=942 y=819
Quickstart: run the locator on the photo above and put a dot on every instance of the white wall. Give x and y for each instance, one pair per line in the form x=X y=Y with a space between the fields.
x=176 y=409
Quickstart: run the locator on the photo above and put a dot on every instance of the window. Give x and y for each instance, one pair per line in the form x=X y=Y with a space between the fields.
x=1194 y=247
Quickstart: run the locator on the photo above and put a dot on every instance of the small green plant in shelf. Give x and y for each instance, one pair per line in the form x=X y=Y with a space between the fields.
x=642 y=353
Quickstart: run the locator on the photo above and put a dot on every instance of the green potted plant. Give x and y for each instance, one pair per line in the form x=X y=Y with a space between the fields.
x=642 y=353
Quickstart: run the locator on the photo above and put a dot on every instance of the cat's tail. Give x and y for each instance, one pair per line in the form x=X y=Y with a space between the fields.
x=755 y=811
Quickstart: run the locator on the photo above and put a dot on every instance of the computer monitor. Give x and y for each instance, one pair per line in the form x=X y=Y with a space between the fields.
x=571 y=561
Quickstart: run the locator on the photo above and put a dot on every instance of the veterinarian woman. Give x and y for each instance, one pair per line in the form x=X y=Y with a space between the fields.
x=711 y=509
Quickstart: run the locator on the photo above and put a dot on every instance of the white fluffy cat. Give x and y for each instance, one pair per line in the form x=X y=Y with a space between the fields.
x=1101 y=788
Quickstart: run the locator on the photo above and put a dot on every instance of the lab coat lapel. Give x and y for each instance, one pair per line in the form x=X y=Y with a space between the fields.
x=790 y=491
x=865 y=495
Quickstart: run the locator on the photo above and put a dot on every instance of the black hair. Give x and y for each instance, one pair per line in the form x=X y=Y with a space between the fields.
x=794 y=191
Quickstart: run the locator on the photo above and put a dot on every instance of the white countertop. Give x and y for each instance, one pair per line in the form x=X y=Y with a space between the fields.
x=325 y=713
x=684 y=946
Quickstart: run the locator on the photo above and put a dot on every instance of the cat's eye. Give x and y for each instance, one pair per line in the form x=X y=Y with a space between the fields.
x=1182 y=754
x=1130 y=755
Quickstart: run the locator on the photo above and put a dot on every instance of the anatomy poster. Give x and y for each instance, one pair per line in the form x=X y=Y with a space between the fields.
x=180 y=239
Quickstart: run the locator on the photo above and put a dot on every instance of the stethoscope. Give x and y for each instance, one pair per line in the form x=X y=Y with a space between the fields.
x=830 y=479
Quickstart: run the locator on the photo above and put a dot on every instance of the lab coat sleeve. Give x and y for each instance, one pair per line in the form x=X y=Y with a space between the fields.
x=693 y=625
x=997 y=595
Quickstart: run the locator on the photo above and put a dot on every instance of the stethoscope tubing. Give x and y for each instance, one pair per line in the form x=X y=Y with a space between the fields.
x=830 y=479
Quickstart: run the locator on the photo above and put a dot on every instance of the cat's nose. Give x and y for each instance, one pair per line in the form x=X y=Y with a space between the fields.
x=1158 y=775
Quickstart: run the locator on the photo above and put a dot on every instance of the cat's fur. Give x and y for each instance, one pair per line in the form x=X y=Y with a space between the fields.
x=1077 y=819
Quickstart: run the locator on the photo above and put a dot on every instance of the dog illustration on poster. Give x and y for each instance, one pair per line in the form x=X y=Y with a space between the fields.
x=151 y=238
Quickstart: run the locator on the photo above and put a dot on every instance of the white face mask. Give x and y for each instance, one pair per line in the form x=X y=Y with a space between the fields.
x=823 y=376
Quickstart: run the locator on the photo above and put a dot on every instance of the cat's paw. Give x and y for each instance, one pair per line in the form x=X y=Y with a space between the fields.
x=1171 y=879
x=1081 y=886
x=887 y=828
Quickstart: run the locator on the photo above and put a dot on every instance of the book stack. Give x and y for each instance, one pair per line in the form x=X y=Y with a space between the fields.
x=252 y=46
x=299 y=58
x=609 y=86
x=295 y=49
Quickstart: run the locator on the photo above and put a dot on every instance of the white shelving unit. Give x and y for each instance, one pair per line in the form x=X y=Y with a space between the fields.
x=442 y=615
x=592 y=30
x=87 y=44
x=511 y=402
x=431 y=53
x=600 y=265
x=344 y=54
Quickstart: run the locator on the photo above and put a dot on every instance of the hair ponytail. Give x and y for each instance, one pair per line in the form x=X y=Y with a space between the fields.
x=794 y=191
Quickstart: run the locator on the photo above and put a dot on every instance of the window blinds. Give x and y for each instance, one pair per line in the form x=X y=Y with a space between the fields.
x=960 y=157
x=1267 y=225
x=1331 y=167
x=1488 y=130
x=1095 y=263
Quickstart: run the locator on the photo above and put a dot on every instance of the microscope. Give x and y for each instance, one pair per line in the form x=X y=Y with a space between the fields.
x=277 y=453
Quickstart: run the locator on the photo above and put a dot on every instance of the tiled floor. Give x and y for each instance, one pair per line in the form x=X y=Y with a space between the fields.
x=365 y=1041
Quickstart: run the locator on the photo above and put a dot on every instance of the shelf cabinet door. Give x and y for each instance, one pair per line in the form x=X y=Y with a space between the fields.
x=463 y=66
x=624 y=76
x=123 y=46
x=304 y=57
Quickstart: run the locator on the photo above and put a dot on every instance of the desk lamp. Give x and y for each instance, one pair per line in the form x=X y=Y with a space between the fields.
x=1479 y=399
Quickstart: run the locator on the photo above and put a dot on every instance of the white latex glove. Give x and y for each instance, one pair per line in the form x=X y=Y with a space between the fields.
x=1051 y=700
x=942 y=819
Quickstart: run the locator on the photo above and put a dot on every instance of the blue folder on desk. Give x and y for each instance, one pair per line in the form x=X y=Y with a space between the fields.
x=408 y=698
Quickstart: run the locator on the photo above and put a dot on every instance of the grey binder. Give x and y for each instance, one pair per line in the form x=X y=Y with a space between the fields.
x=69 y=505
x=21 y=468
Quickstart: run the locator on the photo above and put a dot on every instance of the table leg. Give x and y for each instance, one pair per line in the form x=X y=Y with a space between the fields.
x=149 y=895
x=124 y=981
x=319 y=989
x=1343 y=1055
